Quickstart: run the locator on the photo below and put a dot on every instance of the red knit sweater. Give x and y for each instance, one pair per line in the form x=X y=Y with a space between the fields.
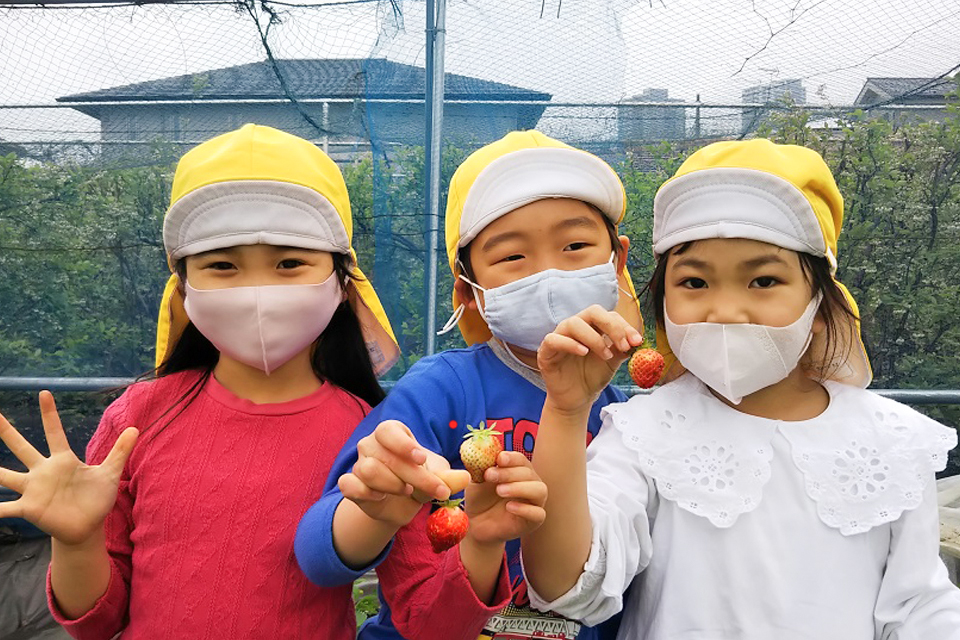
x=201 y=537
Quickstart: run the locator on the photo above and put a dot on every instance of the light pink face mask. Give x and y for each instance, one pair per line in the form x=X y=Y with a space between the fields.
x=264 y=326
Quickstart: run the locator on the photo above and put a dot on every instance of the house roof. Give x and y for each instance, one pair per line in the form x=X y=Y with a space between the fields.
x=306 y=79
x=906 y=90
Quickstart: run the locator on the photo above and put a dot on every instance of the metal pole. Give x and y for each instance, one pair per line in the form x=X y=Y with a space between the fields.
x=696 y=127
x=436 y=24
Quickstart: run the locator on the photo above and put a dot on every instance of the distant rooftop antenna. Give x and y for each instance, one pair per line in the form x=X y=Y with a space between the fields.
x=773 y=71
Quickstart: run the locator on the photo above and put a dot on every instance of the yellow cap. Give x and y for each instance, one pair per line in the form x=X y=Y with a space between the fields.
x=259 y=185
x=520 y=168
x=781 y=194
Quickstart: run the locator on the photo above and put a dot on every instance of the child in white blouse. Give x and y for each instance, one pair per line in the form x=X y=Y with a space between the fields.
x=763 y=493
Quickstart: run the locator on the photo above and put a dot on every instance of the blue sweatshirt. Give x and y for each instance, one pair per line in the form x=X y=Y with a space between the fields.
x=437 y=399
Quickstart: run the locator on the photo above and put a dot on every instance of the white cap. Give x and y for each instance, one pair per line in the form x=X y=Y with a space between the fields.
x=226 y=214
x=735 y=203
x=527 y=175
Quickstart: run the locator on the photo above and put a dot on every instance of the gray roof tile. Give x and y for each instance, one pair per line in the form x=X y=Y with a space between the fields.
x=333 y=78
x=914 y=88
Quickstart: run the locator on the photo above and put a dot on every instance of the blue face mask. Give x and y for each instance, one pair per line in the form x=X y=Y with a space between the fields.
x=521 y=313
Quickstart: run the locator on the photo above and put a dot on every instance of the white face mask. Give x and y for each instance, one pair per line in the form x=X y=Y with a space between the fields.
x=264 y=326
x=523 y=312
x=736 y=360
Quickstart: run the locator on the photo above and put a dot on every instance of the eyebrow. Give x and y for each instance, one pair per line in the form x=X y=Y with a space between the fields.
x=753 y=263
x=275 y=248
x=568 y=223
x=760 y=261
x=693 y=263
x=574 y=223
x=500 y=238
x=214 y=252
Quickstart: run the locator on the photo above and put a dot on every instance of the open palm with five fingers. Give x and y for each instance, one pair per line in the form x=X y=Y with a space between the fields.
x=60 y=494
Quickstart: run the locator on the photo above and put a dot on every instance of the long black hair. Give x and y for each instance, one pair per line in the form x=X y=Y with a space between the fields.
x=339 y=356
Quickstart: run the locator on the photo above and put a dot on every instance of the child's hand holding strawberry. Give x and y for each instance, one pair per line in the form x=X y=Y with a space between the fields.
x=394 y=476
x=509 y=503
x=577 y=360
x=580 y=357
x=391 y=481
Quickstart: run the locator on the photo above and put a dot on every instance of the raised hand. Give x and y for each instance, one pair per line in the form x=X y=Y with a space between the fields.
x=580 y=357
x=509 y=503
x=61 y=495
x=394 y=476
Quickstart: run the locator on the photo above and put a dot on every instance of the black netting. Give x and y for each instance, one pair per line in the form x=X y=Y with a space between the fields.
x=98 y=101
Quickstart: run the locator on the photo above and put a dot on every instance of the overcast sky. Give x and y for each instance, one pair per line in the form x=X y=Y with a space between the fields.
x=578 y=50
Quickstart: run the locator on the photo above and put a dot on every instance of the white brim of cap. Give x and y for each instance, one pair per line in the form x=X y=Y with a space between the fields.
x=527 y=175
x=735 y=203
x=243 y=212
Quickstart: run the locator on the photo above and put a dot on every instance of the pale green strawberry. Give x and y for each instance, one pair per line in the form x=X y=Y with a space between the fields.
x=480 y=449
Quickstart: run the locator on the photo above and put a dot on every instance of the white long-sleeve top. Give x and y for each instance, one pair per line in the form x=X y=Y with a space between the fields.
x=745 y=528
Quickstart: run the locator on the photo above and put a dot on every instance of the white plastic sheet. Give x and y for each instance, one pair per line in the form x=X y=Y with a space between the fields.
x=948 y=497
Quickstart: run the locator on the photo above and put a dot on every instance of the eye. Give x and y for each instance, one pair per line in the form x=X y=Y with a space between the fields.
x=576 y=246
x=219 y=265
x=764 y=282
x=290 y=263
x=693 y=283
x=513 y=258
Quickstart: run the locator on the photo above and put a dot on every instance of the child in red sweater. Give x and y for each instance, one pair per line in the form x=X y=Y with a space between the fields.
x=268 y=346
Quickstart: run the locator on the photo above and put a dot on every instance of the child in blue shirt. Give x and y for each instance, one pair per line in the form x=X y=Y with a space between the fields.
x=531 y=238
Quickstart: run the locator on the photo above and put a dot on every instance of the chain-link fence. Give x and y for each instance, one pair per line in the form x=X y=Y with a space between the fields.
x=98 y=101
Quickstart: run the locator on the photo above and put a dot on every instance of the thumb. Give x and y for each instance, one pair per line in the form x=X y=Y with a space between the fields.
x=435 y=463
x=122 y=448
x=456 y=479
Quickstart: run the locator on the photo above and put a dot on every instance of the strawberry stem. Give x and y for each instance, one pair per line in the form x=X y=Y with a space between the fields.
x=481 y=431
x=448 y=503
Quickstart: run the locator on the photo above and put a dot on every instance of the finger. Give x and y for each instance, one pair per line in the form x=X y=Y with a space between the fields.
x=417 y=476
x=421 y=497
x=556 y=346
x=13 y=480
x=436 y=463
x=530 y=512
x=11 y=509
x=116 y=460
x=504 y=475
x=401 y=452
x=513 y=459
x=532 y=491
x=614 y=326
x=586 y=334
x=455 y=479
x=378 y=477
x=52 y=428
x=18 y=445
x=397 y=438
x=354 y=489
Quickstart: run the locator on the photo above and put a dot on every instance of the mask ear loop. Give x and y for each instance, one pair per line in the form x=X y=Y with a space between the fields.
x=453 y=320
x=816 y=308
x=514 y=357
x=613 y=261
x=461 y=308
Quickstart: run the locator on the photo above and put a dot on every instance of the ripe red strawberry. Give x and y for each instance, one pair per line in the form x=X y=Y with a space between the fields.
x=645 y=367
x=480 y=449
x=447 y=525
